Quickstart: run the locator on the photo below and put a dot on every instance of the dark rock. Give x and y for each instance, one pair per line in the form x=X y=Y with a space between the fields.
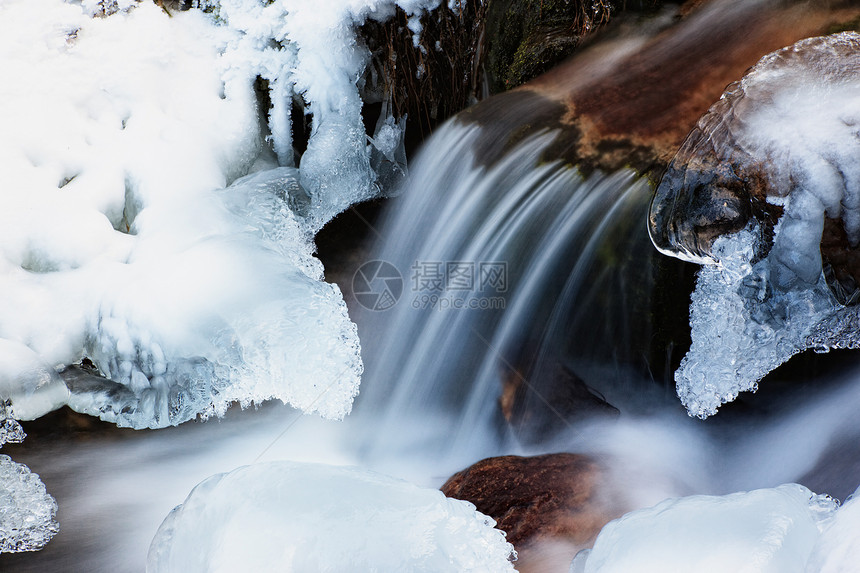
x=528 y=37
x=550 y=506
x=540 y=403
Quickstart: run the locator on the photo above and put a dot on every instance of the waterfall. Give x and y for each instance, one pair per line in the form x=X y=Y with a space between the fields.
x=578 y=281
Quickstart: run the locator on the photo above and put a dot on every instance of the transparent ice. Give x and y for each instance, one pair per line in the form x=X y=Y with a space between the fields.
x=741 y=327
x=288 y=516
x=27 y=511
x=761 y=531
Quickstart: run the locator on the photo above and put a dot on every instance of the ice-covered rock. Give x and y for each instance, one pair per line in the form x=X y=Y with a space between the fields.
x=761 y=531
x=122 y=241
x=768 y=186
x=286 y=516
x=784 y=139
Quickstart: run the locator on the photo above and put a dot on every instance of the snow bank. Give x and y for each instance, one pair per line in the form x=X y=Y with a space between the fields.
x=287 y=516
x=762 y=531
x=121 y=238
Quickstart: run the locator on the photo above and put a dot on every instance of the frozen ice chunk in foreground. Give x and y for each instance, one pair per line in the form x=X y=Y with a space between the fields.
x=761 y=531
x=26 y=510
x=286 y=516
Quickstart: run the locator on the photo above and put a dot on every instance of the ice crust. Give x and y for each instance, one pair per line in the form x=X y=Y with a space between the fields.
x=741 y=327
x=27 y=511
x=795 y=116
x=761 y=531
x=286 y=516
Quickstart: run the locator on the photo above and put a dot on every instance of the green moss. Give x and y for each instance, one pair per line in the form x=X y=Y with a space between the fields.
x=528 y=37
x=539 y=52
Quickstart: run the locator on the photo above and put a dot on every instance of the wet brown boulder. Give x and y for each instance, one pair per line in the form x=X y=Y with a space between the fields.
x=550 y=506
x=630 y=98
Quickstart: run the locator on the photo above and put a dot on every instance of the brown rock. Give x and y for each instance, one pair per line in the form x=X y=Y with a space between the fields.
x=631 y=101
x=550 y=506
x=726 y=173
x=538 y=403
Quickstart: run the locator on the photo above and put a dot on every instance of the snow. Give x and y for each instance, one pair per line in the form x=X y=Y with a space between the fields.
x=761 y=531
x=288 y=516
x=32 y=387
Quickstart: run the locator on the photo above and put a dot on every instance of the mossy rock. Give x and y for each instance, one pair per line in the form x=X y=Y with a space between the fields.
x=528 y=37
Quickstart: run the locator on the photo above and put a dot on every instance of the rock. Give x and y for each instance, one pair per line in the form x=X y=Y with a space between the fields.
x=528 y=37
x=631 y=99
x=550 y=506
x=540 y=403
x=783 y=137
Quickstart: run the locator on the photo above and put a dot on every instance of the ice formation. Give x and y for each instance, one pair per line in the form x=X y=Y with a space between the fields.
x=286 y=516
x=27 y=512
x=741 y=327
x=308 y=51
x=838 y=547
x=122 y=239
x=761 y=531
x=771 y=167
